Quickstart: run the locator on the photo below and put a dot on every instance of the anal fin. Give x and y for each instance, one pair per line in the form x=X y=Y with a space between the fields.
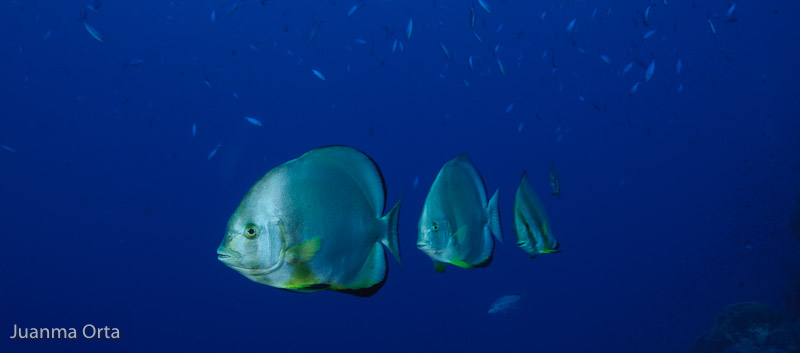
x=370 y=278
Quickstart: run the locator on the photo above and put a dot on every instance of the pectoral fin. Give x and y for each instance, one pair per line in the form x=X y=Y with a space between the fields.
x=304 y=251
x=439 y=267
x=460 y=234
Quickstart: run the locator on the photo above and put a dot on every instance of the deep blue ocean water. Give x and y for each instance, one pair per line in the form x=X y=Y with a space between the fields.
x=674 y=204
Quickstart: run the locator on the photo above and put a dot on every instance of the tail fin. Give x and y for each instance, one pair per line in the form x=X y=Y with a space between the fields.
x=391 y=238
x=494 y=216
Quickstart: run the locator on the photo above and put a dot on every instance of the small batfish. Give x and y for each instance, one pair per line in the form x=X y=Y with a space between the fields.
x=530 y=222
x=458 y=219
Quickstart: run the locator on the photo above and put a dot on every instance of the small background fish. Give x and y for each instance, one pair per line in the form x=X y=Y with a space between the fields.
x=504 y=304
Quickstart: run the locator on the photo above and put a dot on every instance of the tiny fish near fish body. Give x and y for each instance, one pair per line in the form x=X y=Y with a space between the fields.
x=627 y=68
x=471 y=16
x=95 y=5
x=504 y=304
x=555 y=182
x=92 y=31
x=232 y=8
x=352 y=10
x=484 y=5
x=571 y=25
x=7 y=148
x=650 y=70
x=318 y=74
x=500 y=66
x=634 y=88
x=253 y=121
x=214 y=151
x=444 y=49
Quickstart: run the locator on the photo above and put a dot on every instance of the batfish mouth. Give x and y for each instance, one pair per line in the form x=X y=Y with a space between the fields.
x=427 y=248
x=225 y=255
x=228 y=260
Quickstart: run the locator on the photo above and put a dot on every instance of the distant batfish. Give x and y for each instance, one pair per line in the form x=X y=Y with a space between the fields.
x=457 y=221
x=504 y=304
x=555 y=182
x=314 y=223
x=530 y=222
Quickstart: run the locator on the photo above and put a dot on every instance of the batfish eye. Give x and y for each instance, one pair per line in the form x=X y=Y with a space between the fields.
x=250 y=231
x=435 y=227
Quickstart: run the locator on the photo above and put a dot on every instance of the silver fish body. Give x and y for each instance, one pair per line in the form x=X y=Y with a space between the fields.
x=458 y=220
x=530 y=222
x=314 y=223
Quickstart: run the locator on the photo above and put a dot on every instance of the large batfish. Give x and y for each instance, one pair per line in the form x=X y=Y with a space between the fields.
x=457 y=221
x=314 y=223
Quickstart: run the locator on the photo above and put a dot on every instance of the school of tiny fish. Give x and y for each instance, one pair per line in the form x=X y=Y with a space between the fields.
x=574 y=27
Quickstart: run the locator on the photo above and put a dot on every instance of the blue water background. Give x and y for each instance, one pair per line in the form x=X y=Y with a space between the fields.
x=674 y=205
